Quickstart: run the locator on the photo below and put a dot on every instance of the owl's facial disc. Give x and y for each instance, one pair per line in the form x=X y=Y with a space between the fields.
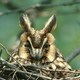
x=37 y=52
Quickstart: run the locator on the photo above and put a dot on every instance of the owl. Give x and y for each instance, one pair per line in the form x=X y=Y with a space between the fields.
x=38 y=46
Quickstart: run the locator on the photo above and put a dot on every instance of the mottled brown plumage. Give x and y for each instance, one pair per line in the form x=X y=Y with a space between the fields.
x=38 y=46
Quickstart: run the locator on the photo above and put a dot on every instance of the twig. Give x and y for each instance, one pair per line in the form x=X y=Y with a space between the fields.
x=5 y=63
x=73 y=55
x=37 y=78
x=9 y=53
x=14 y=74
x=29 y=77
x=5 y=49
x=0 y=52
x=25 y=71
x=72 y=78
x=20 y=71
x=51 y=70
x=2 y=78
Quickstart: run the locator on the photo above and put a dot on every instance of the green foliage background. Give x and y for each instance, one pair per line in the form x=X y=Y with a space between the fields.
x=67 y=33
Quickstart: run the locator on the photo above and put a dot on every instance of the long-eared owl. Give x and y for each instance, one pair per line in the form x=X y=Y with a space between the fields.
x=38 y=46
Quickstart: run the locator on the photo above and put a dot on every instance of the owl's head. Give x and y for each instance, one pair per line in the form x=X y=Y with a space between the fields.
x=37 y=42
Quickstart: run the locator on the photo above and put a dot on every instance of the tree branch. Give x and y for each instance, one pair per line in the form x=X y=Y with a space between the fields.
x=39 y=6
x=57 y=4
x=72 y=55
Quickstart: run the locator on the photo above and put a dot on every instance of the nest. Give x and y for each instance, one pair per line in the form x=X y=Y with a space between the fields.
x=9 y=71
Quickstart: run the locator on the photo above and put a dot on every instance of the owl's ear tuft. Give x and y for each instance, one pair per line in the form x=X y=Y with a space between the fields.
x=50 y=24
x=25 y=23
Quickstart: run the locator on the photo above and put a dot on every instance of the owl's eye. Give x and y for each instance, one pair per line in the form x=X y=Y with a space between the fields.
x=28 y=45
x=46 y=45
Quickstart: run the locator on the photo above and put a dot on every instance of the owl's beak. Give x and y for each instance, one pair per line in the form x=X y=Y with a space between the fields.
x=37 y=53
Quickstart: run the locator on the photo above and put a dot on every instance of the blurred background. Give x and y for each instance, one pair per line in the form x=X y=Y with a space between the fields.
x=67 y=33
